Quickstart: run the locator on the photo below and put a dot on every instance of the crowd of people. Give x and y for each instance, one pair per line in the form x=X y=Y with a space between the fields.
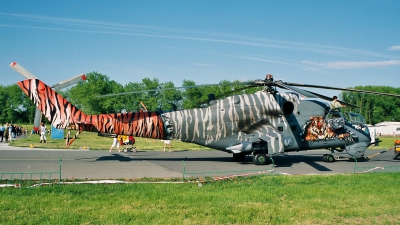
x=9 y=131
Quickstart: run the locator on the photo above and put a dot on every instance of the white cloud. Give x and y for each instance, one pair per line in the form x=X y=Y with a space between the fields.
x=353 y=64
x=394 y=48
x=90 y=26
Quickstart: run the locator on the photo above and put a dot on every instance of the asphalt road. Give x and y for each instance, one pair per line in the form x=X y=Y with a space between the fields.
x=86 y=164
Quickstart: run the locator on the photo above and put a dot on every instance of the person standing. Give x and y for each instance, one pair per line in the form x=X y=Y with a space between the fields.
x=167 y=142
x=2 y=132
x=6 y=132
x=43 y=131
x=335 y=103
x=10 y=136
x=116 y=143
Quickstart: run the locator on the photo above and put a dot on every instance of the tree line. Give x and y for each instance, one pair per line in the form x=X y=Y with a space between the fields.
x=99 y=94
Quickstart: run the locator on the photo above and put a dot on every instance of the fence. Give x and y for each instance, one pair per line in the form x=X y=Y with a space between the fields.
x=374 y=169
x=228 y=176
x=254 y=175
x=29 y=179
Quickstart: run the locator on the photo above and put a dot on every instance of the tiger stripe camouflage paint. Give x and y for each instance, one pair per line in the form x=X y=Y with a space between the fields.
x=235 y=119
x=63 y=114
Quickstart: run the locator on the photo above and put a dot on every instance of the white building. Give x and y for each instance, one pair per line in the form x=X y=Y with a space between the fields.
x=385 y=129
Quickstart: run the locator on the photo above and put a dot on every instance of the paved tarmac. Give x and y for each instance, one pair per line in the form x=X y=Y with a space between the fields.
x=86 y=164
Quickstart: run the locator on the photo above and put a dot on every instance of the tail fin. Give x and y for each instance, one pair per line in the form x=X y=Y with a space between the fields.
x=55 y=108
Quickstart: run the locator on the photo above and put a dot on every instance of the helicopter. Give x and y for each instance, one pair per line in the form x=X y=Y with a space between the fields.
x=263 y=124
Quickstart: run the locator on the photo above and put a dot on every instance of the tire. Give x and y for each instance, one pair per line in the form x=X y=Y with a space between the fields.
x=325 y=158
x=330 y=158
x=260 y=159
x=239 y=157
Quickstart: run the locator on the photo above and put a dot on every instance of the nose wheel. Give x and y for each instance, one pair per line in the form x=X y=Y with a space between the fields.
x=328 y=158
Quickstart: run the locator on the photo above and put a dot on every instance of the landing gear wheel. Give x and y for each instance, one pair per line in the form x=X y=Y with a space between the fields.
x=324 y=158
x=330 y=158
x=260 y=159
x=239 y=157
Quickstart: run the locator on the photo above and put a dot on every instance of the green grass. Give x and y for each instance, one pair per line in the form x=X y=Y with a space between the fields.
x=333 y=199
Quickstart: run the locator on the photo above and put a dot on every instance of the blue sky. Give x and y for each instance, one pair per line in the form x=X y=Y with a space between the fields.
x=339 y=43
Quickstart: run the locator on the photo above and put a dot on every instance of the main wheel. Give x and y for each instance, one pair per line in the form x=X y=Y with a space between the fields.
x=330 y=158
x=260 y=159
x=325 y=158
x=239 y=157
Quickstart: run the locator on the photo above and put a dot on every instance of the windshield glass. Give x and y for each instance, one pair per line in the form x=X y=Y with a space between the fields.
x=351 y=119
x=355 y=118
x=357 y=121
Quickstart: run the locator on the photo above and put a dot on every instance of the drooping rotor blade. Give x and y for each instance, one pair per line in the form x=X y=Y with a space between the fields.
x=330 y=99
x=227 y=93
x=172 y=88
x=341 y=89
x=298 y=90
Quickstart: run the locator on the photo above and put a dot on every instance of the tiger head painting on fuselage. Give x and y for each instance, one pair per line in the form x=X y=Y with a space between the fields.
x=317 y=128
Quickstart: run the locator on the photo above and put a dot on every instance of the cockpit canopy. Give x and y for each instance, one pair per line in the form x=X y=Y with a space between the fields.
x=355 y=118
x=337 y=119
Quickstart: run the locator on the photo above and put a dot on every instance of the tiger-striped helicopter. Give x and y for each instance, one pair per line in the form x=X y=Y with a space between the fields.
x=262 y=124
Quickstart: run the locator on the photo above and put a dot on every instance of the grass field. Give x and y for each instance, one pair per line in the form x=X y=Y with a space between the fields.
x=333 y=199
x=318 y=199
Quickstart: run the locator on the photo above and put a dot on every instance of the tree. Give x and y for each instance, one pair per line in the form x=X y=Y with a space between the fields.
x=149 y=98
x=16 y=106
x=170 y=99
x=375 y=108
x=84 y=95
x=192 y=96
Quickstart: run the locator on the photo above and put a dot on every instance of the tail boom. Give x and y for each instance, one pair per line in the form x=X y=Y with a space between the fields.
x=62 y=114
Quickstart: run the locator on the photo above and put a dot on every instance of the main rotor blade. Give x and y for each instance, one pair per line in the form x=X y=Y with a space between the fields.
x=227 y=93
x=172 y=88
x=341 y=89
x=330 y=99
x=298 y=90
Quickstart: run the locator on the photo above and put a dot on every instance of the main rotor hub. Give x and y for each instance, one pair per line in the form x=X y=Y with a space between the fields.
x=269 y=78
